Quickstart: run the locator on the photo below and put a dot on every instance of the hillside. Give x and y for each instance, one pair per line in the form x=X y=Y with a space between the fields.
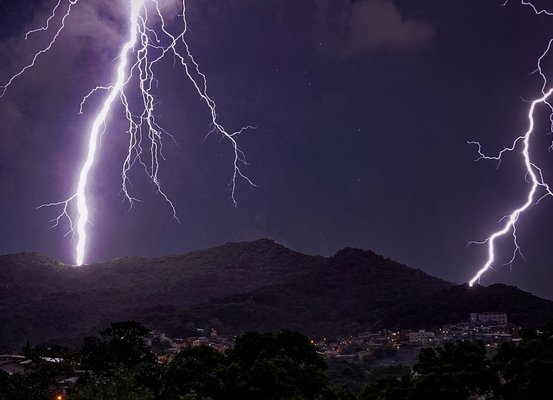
x=41 y=299
x=242 y=286
x=359 y=290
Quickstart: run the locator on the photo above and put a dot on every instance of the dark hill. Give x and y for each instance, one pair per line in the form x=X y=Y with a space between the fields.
x=359 y=290
x=254 y=285
x=41 y=299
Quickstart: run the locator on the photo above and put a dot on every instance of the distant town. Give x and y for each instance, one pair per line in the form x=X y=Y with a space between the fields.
x=387 y=346
x=491 y=328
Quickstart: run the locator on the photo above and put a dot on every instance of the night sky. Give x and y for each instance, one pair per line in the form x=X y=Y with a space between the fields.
x=363 y=110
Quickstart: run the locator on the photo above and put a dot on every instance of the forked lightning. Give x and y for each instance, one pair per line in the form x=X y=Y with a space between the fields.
x=148 y=42
x=538 y=189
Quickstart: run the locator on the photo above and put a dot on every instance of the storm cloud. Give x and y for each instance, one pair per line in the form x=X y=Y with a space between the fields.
x=352 y=28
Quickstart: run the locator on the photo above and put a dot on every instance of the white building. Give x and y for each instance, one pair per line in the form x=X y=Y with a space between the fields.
x=489 y=317
x=13 y=364
x=421 y=337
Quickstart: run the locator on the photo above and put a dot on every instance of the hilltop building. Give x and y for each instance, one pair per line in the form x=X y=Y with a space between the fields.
x=489 y=317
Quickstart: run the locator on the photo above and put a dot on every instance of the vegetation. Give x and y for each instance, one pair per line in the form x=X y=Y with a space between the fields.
x=462 y=371
x=382 y=294
x=46 y=301
x=239 y=287
x=283 y=366
x=260 y=366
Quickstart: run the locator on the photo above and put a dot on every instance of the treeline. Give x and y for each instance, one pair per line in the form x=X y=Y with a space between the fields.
x=285 y=366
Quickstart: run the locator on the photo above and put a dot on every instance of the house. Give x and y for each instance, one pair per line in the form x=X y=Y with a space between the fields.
x=13 y=364
x=421 y=337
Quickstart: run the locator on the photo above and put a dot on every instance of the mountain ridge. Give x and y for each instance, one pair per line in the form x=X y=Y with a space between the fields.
x=239 y=286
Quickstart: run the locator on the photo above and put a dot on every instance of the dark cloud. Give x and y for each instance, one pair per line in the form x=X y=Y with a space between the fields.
x=379 y=23
x=352 y=28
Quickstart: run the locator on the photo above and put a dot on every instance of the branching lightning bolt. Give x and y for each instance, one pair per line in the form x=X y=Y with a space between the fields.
x=144 y=48
x=539 y=189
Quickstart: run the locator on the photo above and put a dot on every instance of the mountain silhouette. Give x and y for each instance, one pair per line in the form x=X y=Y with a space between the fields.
x=259 y=285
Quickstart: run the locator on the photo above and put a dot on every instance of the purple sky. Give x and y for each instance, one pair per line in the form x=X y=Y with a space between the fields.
x=363 y=111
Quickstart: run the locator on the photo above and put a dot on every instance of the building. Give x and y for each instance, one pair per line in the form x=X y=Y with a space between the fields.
x=489 y=317
x=13 y=364
x=421 y=337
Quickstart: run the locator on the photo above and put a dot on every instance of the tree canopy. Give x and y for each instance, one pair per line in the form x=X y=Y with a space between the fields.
x=281 y=366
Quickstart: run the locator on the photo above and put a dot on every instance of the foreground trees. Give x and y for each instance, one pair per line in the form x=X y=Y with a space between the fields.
x=261 y=366
x=283 y=366
x=454 y=371
x=462 y=371
x=527 y=368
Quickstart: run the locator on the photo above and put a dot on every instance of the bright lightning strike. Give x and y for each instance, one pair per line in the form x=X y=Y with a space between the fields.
x=148 y=42
x=539 y=189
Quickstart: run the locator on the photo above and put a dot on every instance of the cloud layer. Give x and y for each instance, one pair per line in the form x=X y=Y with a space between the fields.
x=358 y=27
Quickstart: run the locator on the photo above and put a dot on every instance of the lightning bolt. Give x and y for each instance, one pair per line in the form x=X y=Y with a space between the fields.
x=538 y=189
x=149 y=41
